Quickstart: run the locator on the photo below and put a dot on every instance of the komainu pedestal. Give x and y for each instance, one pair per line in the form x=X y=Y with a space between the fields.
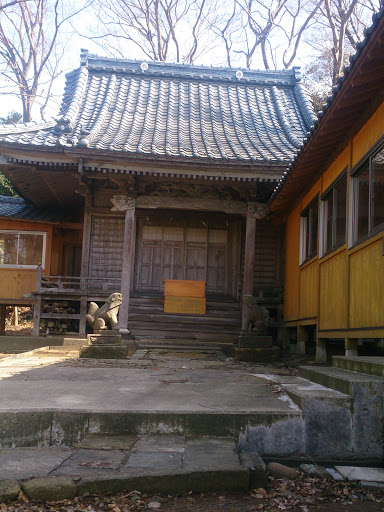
x=106 y=345
x=254 y=345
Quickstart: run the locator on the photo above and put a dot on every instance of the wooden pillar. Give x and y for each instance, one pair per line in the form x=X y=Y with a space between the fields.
x=249 y=257
x=37 y=303
x=350 y=347
x=255 y=211
x=301 y=340
x=321 y=350
x=83 y=312
x=126 y=204
x=3 y=312
x=36 y=316
x=86 y=241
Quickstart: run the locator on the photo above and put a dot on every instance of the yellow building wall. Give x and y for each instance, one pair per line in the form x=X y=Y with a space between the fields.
x=367 y=286
x=333 y=284
x=15 y=282
x=345 y=289
x=309 y=290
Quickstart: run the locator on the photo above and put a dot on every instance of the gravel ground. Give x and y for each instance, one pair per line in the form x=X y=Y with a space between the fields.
x=304 y=495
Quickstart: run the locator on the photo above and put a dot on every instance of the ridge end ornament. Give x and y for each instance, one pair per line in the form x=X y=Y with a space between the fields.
x=258 y=210
x=122 y=203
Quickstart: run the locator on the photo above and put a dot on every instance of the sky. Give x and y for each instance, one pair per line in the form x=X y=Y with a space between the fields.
x=71 y=60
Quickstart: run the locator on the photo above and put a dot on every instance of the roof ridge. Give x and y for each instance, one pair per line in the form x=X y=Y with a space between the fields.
x=181 y=70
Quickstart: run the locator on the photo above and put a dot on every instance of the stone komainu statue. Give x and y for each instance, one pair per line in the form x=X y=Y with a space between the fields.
x=107 y=314
x=255 y=317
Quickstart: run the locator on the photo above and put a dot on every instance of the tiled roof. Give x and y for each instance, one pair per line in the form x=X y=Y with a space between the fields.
x=18 y=208
x=175 y=110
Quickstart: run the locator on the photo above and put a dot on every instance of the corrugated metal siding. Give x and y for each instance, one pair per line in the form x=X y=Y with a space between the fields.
x=106 y=249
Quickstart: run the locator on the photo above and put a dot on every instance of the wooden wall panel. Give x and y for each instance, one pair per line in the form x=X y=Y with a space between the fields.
x=106 y=248
x=309 y=289
x=269 y=254
x=367 y=286
x=333 y=310
x=14 y=283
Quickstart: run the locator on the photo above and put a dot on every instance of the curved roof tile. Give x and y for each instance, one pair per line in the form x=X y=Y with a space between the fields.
x=175 y=110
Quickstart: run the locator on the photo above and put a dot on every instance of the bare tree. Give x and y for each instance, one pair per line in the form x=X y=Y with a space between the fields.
x=339 y=27
x=173 y=30
x=29 y=54
x=9 y=4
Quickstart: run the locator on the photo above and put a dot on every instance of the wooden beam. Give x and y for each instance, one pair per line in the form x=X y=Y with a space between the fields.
x=192 y=203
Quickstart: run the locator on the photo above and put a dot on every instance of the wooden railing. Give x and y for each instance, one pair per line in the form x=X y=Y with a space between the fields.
x=67 y=284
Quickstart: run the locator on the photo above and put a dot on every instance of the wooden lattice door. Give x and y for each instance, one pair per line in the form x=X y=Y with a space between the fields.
x=182 y=252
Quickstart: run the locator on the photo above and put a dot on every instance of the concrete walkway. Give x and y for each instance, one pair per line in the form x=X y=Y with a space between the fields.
x=56 y=400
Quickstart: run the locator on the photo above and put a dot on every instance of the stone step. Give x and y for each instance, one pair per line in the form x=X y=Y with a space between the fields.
x=202 y=320
x=367 y=413
x=152 y=330
x=337 y=378
x=327 y=414
x=362 y=364
x=104 y=465
x=184 y=346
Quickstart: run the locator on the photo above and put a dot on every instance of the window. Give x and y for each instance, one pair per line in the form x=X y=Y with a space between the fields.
x=368 y=197
x=308 y=231
x=334 y=216
x=22 y=248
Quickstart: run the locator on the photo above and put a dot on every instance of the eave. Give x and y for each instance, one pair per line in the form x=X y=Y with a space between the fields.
x=105 y=162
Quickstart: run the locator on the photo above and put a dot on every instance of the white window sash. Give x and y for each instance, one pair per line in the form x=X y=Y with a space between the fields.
x=18 y=233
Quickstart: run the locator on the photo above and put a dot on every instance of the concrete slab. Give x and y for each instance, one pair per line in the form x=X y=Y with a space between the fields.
x=54 y=385
x=58 y=401
x=22 y=463
x=364 y=474
x=84 y=462
x=216 y=454
x=154 y=462
x=167 y=444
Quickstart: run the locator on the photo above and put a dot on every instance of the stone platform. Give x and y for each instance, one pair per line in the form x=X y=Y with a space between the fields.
x=55 y=399
x=113 y=464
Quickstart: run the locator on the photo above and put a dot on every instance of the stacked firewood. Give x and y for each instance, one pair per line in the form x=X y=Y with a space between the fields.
x=56 y=326
x=61 y=307
x=59 y=325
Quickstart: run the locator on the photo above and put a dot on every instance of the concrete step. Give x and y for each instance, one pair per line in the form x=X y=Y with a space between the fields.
x=190 y=346
x=337 y=378
x=362 y=364
x=327 y=413
x=102 y=464
x=174 y=331
x=367 y=412
x=203 y=320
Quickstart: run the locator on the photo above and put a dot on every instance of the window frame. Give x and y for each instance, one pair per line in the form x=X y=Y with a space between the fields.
x=353 y=238
x=323 y=231
x=19 y=232
x=305 y=231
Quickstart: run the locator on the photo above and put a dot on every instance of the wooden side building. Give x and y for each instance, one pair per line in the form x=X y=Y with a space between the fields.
x=332 y=200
